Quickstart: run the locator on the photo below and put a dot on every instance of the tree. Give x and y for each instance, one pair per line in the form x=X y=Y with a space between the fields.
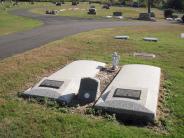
x=176 y=4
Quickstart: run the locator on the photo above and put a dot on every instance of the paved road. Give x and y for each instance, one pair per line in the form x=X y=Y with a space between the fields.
x=53 y=28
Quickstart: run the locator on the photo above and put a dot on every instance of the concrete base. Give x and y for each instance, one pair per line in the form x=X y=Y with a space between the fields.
x=118 y=17
x=64 y=84
x=134 y=92
x=108 y=16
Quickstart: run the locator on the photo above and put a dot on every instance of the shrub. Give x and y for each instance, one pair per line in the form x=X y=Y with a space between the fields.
x=168 y=13
x=152 y=14
x=175 y=16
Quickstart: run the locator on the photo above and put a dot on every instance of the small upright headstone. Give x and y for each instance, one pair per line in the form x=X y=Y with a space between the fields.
x=117 y=13
x=92 y=10
x=89 y=90
x=53 y=12
x=115 y=60
x=106 y=6
x=58 y=3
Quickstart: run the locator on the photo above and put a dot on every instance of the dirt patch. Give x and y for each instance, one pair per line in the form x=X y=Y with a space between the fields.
x=2 y=101
x=106 y=75
x=162 y=111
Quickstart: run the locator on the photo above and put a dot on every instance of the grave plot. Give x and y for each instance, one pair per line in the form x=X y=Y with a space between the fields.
x=64 y=84
x=133 y=93
x=151 y=39
x=59 y=3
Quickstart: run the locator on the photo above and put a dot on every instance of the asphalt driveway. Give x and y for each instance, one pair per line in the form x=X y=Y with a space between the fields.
x=53 y=28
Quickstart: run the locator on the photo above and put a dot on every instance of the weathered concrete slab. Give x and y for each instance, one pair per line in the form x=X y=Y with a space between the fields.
x=125 y=37
x=151 y=39
x=134 y=92
x=118 y=17
x=65 y=83
x=144 y=55
x=109 y=16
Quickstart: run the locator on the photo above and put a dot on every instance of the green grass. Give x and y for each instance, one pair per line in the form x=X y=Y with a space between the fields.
x=22 y=118
x=10 y=23
x=128 y=12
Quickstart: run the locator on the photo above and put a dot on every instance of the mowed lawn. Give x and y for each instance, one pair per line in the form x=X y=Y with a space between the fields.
x=23 y=118
x=10 y=23
x=82 y=8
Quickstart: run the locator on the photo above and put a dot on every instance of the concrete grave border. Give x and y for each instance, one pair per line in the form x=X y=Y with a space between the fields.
x=133 y=77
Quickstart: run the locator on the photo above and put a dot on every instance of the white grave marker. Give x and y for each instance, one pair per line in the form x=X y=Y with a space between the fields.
x=182 y=35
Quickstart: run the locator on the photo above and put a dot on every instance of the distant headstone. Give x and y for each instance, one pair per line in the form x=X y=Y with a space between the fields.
x=125 y=37
x=89 y=90
x=117 y=13
x=106 y=6
x=182 y=35
x=92 y=10
x=53 y=12
x=151 y=39
x=147 y=16
x=58 y=3
x=144 y=55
